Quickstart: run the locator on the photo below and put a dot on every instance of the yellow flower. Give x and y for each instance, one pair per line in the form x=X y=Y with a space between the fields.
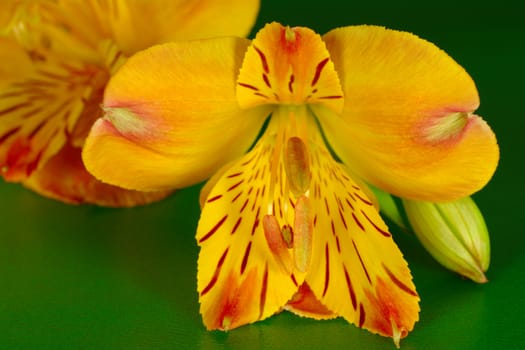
x=57 y=58
x=285 y=225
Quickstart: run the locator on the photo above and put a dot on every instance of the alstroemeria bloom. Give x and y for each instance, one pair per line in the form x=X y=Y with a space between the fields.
x=286 y=225
x=57 y=56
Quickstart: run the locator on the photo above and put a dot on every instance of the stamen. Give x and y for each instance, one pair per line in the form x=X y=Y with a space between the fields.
x=297 y=166
x=276 y=243
x=302 y=242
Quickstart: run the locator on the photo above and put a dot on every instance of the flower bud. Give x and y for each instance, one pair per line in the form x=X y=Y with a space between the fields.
x=454 y=233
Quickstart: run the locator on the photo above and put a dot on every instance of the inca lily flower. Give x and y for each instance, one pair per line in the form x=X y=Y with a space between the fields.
x=57 y=57
x=286 y=225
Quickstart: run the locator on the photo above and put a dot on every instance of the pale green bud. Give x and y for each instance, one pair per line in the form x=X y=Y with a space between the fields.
x=454 y=233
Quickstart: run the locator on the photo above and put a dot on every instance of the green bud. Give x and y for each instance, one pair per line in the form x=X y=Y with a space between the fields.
x=454 y=233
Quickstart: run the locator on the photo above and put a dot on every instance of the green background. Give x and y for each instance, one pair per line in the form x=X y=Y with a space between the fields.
x=93 y=278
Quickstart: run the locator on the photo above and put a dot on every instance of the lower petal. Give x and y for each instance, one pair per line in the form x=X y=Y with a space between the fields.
x=357 y=271
x=242 y=275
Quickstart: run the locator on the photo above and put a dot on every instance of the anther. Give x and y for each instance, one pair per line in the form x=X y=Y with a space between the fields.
x=302 y=240
x=297 y=166
x=276 y=243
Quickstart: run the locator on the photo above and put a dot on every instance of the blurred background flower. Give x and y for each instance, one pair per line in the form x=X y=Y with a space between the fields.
x=57 y=58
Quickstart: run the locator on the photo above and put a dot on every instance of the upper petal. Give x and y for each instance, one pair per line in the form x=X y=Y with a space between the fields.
x=172 y=117
x=407 y=124
x=288 y=65
x=136 y=25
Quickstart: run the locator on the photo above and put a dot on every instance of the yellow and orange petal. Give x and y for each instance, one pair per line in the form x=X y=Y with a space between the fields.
x=136 y=25
x=408 y=124
x=235 y=251
x=68 y=50
x=171 y=117
x=77 y=186
x=286 y=65
x=357 y=271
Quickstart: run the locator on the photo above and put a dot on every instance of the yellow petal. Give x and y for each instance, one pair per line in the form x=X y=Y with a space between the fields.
x=245 y=271
x=136 y=25
x=288 y=65
x=356 y=269
x=408 y=125
x=16 y=61
x=76 y=185
x=172 y=117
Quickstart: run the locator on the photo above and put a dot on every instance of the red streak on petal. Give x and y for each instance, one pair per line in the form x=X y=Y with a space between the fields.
x=327 y=269
x=236 y=197
x=362 y=263
x=326 y=206
x=255 y=225
x=343 y=219
x=266 y=81
x=338 y=245
x=290 y=83
x=264 y=288
x=318 y=70
x=244 y=205
x=358 y=222
x=293 y=279
x=248 y=86
x=349 y=204
x=383 y=232
x=235 y=174
x=214 y=229
x=216 y=274
x=264 y=61
x=350 y=289
x=363 y=200
x=398 y=283
x=332 y=97
x=246 y=256
x=261 y=95
x=236 y=226
x=362 y=315
x=235 y=185
x=213 y=199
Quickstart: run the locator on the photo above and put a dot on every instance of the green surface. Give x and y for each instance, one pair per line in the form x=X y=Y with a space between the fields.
x=93 y=278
